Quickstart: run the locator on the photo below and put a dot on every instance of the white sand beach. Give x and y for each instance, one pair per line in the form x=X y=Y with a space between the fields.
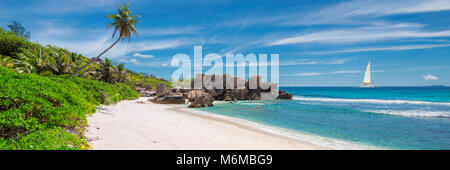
x=141 y=125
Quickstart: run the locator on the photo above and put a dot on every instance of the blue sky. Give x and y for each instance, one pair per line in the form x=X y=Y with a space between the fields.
x=321 y=43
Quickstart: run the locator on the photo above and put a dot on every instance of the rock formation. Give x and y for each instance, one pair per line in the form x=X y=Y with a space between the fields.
x=234 y=89
x=282 y=95
x=241 y=89
x=199 y=98
x=145 y=90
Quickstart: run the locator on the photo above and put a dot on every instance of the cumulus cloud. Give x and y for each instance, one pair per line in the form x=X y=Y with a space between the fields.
x=430 y=77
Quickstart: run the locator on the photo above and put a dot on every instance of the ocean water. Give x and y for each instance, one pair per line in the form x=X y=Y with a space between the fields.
x=385 y=117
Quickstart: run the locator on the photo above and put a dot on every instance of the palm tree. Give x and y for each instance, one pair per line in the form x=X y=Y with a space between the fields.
x=108 y=71
x=121 y=73
x=123 y=23
x=7 y=62
x=35 y=60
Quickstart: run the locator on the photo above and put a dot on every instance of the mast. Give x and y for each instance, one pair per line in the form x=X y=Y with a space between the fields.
x=367 y=78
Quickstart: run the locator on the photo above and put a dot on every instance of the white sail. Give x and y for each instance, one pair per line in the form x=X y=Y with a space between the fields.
x=367 y=79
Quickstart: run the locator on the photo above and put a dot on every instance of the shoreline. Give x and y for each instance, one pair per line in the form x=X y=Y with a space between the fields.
x=326 y=142
x=139 y=124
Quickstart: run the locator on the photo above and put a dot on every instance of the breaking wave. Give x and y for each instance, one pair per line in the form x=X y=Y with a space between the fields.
x=380 y=101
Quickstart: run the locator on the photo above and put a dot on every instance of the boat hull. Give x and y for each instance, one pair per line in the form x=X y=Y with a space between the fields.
x=367 y=86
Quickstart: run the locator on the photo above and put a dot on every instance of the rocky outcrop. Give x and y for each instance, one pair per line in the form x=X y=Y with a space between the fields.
x=147 y=93
x=145 y=90
x=282 y=95
x=199 y=98
x=253 y=89
x=235 y=88
x=165 y=96
x=174 y=99
x=162 y=90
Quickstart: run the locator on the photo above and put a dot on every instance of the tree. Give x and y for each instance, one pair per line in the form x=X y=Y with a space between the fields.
x=19 y=30
x=121 y=73
x=123 y=23
x=108 y=71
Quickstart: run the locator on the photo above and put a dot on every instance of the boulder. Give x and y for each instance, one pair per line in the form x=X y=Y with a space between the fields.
x=284 y=95
x=199 y=98
x=174 y=99
x=147 y=93
x=147 y=87
x=216 y=93
x=236 y=88
x=139 y=89
x=228 y=98
x=162 y=90
x=240 y=94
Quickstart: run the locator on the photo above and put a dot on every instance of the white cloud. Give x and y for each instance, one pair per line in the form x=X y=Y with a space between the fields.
x=358 y=11
x=134 y=61
x=361 y=34
x=308 y=74
x=426 y=68
x=387 y=7
x=94 y=41
x=170 y=31
x=346 y=72
x=92 y=48
x=393 y=48
x=328 y=73
x=315 y=61
x=430 y=77
x=143 y=55
x=157 y=64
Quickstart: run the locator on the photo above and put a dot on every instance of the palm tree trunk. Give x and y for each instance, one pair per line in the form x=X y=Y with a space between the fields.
x=94 y=59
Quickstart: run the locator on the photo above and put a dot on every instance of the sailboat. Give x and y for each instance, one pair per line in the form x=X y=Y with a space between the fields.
x=367 y=82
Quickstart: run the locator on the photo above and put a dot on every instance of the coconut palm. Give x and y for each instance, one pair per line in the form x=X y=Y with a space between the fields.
x=123 y=23
x=35 y=60
x=121 y=73
x=108 y=71
x=7 y=62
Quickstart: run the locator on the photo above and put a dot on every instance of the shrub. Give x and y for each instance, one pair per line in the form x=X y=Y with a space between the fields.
x=37 y=112
x=11 y=44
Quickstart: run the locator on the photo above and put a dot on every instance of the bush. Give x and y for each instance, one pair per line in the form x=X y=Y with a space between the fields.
x=38 y=112
x=11 y=44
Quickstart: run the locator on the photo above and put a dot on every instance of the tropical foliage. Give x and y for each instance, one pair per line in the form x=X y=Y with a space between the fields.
x=28 y=57
x=40 y=108
x=38 y=112
x=123 y=22
x=19 y=30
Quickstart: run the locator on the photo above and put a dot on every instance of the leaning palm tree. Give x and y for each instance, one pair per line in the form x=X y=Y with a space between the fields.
x=123 y=22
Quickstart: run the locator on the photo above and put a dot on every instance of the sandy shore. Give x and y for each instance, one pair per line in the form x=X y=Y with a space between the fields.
x=138 y=124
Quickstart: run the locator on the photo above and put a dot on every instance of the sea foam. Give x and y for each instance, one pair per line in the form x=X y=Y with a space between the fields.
x=413 y=113
x=380 y=101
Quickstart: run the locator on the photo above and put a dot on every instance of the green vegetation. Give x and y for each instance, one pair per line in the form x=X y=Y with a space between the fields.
x=40 y=112
x=39 y=107
x=19 y=30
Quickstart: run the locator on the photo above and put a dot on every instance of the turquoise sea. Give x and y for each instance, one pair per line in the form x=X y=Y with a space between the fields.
x=384 y=117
